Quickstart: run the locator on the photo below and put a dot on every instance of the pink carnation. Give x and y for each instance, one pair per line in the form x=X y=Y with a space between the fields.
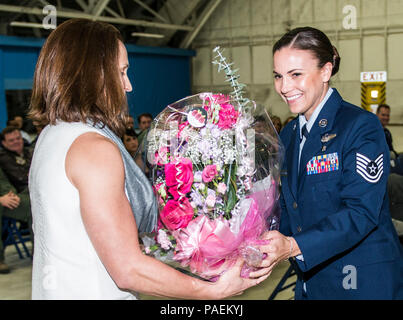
x=227 y=116
x=221 y=98
x=209 y=173
x=163 y=240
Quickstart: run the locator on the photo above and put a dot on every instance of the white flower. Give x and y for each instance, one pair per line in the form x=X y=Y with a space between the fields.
x=203 y=132
x=241 y=171
x=201 y=186
x=197 y=176
x=221 y=188
x=216 y=132
x=210 y=200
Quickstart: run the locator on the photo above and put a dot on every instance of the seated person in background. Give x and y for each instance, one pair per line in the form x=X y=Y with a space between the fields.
x=132 y=146
x=277 y=123
x=15 y=159
x=13 y=205
x=130 y=141
x=130 y=123
x=145 y=120
x=25 y=136
x=383 y=113
x=396 y=160
x=18 y=122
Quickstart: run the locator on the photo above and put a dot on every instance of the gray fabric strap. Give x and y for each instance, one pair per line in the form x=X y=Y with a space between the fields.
x=140 y=193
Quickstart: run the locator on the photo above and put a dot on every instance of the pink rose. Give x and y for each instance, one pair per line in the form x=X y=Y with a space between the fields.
x=176 y=215
x=179 y=177
x=209 y=173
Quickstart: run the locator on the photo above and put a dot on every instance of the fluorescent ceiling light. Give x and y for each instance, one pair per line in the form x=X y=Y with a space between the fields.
x=147 y=35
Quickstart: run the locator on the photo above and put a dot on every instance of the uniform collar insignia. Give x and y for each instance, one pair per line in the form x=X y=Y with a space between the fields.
x=322 y=123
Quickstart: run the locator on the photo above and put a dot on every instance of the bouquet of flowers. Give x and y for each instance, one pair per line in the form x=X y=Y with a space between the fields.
x=215 y=171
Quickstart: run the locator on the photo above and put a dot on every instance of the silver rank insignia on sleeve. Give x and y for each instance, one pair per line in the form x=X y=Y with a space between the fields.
x=370 y=170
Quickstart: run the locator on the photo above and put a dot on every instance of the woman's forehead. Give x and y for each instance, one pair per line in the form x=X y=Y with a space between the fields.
x=292 y=58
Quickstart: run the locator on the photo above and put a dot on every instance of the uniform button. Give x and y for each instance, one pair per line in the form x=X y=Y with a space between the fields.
x=295 y=205
x=299 y=229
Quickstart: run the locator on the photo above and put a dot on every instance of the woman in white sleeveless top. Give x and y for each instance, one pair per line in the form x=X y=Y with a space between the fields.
x=86 y=235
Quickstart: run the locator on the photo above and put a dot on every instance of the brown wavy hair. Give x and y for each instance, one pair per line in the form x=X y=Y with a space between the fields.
x=77 y=78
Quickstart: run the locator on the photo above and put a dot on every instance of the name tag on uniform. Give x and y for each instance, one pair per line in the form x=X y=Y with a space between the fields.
x=323 y=163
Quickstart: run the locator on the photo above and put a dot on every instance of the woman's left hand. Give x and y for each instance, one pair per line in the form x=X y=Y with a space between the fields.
x=279 y=248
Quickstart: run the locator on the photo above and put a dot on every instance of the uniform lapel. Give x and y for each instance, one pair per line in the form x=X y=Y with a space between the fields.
x=292 y=160
x=323 y=124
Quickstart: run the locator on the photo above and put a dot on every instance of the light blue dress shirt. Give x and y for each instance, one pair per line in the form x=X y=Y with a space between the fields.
x=309 y=124
x=312 y=119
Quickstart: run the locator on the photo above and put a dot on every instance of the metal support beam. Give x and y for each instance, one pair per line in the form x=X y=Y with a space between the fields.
x=146 y=7
x=83 y=5
x=99 y=7
x=68 y=14
x=121 y=11
x=201 y=20
x=91 y=4
x=113 y=13
x=180 y=11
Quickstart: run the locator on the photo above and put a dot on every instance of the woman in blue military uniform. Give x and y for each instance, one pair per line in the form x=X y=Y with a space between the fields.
x=335 y=225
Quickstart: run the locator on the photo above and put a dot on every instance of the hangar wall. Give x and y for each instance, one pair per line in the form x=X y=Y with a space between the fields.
x=247 y=29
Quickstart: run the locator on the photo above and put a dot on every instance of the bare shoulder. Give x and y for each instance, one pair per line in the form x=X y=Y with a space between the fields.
x=92 y=142
x=93 y=155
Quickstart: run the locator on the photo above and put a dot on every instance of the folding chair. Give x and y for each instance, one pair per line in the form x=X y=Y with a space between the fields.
x=14 y=236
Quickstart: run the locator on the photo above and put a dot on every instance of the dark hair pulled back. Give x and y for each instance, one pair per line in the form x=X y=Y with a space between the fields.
x=314 y=40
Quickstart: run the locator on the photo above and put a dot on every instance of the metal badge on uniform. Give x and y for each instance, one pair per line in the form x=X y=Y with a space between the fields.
x=323 y=123
x=370 y=170
x=323 y=163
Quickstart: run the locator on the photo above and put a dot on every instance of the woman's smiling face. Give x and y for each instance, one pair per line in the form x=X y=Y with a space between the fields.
x=299 y=80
